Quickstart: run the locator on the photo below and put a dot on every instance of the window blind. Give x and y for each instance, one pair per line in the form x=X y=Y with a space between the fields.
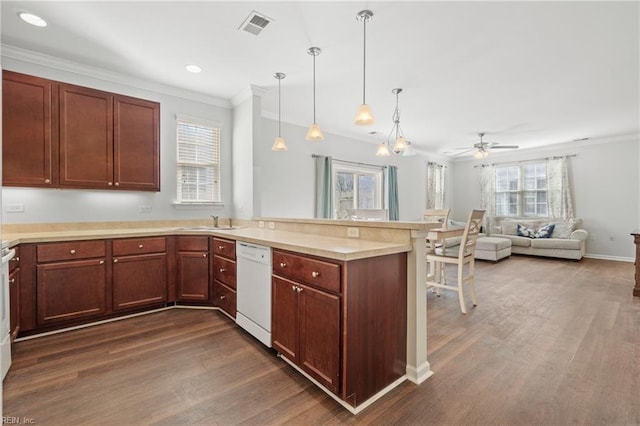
x=198 y=163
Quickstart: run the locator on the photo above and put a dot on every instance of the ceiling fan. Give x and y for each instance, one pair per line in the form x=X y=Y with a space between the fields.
x=482 y=148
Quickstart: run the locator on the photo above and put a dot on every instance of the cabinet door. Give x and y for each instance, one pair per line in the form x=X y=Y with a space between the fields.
x=284 y=317
x=14 y=301
x=86 y=138
x=29 y=147
x=320 y=336
x=136 y=144
x=71 y=290
x=139 y=281
x=193 y=276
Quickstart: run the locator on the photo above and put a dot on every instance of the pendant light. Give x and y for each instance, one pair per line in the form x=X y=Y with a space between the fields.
x=400 y=145
x=279 y=144
x=314 y=133
x=364 y=116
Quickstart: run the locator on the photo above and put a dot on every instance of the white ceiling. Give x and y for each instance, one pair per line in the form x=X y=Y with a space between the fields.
x=526 y=73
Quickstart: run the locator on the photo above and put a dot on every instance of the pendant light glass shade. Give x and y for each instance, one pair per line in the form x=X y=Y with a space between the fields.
x=400 y=145
x=279 y=144
x=364 y=116
x=383 y=150
x=314 y=134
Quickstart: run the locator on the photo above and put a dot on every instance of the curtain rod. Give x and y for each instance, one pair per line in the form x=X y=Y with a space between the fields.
x=557 y=157
x=433 y=163
x=349 y=162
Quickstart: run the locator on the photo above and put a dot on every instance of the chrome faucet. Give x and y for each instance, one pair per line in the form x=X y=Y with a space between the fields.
x=215 y=221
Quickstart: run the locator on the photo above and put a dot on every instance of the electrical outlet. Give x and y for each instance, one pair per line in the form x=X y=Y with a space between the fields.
x=261 y=224
x=145 y=209
x=592 y=236
x=611 y=238
x=353 y=232
x=272 y=225
x=14 y=208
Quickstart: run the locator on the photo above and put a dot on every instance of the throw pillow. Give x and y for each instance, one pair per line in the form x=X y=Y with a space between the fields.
x=509 y=228
x=563 y=230
x=545 y=231
x=523 y=231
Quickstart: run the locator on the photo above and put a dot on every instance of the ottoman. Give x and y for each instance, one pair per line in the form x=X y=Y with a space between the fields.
x=493 y=248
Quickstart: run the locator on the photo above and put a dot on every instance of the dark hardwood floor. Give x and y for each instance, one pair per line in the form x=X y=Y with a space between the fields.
x=552 y=342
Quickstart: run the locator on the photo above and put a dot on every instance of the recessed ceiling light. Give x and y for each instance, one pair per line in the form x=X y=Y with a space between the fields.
x=32 y=19
x=193 y=68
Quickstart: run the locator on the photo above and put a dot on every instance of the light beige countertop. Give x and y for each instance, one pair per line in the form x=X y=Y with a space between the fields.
x=338 y=248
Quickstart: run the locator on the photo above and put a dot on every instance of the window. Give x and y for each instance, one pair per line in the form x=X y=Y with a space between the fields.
x=521 y=190
x=356 y=187
x=198 y=163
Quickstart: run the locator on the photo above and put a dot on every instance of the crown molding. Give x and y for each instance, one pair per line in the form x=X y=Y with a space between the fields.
x=28 y=56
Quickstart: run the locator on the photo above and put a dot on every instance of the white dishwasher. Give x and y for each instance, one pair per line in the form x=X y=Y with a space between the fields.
x=253 y=290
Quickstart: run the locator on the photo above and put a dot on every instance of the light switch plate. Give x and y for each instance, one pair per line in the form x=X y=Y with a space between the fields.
x=261 y=224
x=272 y=225
x=353 y=232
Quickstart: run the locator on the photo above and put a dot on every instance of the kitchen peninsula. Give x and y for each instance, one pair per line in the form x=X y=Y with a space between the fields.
x=380 y=291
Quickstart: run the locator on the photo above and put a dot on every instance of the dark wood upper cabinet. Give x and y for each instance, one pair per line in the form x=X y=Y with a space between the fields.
x=86 y=138
x=67 y=136
x=29 y=144
x=136 y=147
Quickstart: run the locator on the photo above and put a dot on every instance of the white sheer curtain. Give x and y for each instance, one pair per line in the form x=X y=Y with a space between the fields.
x=435 y=185
x=559 y=189
x=488 y=193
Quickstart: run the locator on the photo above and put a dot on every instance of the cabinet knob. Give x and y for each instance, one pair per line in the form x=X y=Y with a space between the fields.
x=47 y=181
x=117 y=183
x=283 y=265
x=223 y=297
x=293 y=287
x=115 y=260
x=220 y=247
x=299 y=289
x=315 y=274
x=141 y=246
x=222 y=269
x=12 y=281
x=101 y=262
x=72 y=251
x=109 y=183
x=204 y=255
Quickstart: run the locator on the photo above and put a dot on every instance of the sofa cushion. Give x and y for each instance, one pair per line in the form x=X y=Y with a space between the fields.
x=556 y=243
x=515 y=240
x=563 y=229
x=510 y=225
x=492 y=243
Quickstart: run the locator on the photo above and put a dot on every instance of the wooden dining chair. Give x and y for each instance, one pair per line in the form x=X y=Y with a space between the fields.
x=462 y=255
x=436 y=215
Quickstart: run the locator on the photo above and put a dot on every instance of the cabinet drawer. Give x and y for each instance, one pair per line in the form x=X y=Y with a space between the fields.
x=224 y=270
x=225 y=299
x=193 y=243
x=317 y=273
x=139 y=246
x=71 y=250
x=225 y=248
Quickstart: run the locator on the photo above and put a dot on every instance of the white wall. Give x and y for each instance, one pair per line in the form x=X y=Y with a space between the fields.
x=606 y=190
x=52 y=205
x=288 y=178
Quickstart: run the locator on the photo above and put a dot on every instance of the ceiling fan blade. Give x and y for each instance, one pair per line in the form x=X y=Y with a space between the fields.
x=463 y=152
x=504 y=147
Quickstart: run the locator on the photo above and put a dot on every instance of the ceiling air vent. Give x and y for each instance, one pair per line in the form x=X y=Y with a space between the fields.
x=255 y=23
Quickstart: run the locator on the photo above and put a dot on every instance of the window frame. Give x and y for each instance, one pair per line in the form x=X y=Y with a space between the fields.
x=215 y=165
x=522 y=192
x=356 y=169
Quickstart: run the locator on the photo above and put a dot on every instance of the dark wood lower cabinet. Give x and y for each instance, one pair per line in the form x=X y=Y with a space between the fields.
x=193 y=276
x=139 y=281
x=306 y=329
x=71 y=290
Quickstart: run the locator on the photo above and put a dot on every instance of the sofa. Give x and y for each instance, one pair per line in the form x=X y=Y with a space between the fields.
x=560 y=238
